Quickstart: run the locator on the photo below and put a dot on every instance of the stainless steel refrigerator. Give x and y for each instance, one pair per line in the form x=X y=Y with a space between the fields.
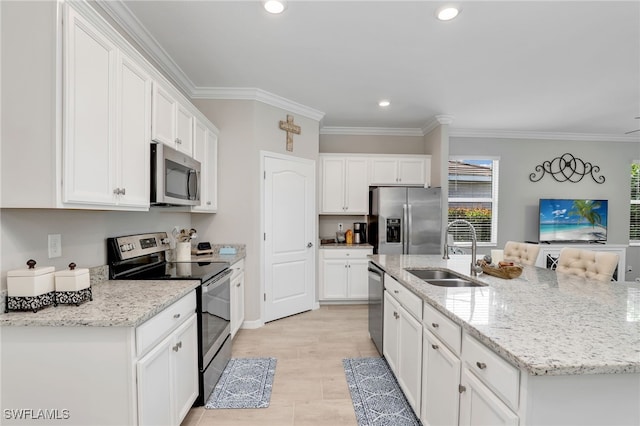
x=405 y=220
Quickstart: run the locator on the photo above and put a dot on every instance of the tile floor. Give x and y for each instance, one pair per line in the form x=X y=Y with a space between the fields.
x=310 y=387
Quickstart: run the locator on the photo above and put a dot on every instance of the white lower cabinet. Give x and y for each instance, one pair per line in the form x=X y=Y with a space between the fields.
x=343 y=274
x=402 y=347
x=237 y=296
x=440 y=380
x=480 y=406
x=168 y=377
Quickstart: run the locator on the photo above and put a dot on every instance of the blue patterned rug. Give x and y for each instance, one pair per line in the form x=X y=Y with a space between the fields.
x=244 y=383
x=376 y=395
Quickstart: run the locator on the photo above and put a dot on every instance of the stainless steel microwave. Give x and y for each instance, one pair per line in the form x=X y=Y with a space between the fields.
x=175 y=177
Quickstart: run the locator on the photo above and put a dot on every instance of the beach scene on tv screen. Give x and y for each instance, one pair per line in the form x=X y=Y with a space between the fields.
x=573 y=220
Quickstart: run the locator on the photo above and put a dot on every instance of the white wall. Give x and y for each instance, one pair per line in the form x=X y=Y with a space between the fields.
x=372 y=144
x=246 y=128
x=518 y=196
x=84 y=234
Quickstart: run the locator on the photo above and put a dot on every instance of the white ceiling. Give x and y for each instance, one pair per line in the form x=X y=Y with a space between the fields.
x=516 y=67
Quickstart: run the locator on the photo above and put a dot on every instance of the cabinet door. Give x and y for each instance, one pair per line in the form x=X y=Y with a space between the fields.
x=154 y=384
x=334 y=279
x=410 y=358
x=391 y=338
x=184 y=351
x=480 y=406
x=356 y=186
x=133 y=134
x=184 y=130
x=237 y=303
x=440 y=379
x=163 y=117
x=333 y=181
x=411 y=171
x=358 y=279
x=89 y=114
x=384 y=171
x=205 y=150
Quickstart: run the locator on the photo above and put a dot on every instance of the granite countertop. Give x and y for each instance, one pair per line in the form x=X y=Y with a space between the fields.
x=117 y=303
x=346 y=246
x=543 y=322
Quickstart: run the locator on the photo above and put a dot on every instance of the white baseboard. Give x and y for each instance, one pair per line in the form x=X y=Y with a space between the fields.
x=251 y=325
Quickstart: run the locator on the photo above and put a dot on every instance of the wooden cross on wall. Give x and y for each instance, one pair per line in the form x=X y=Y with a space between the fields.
x=290 y=128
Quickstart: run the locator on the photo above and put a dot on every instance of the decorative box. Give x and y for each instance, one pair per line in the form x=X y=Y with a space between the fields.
x=30 y=289
x=73 y=286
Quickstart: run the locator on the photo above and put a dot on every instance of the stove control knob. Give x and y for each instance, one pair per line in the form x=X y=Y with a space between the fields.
x=123 y=248
x=131 y=246
x=164 y=241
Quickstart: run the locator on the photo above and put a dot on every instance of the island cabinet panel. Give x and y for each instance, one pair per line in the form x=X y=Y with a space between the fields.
x=402 y=344
x=480 y=406
x=440 y=380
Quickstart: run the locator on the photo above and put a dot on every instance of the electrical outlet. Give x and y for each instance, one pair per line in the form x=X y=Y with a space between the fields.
x=55 y=245
x=339 y=226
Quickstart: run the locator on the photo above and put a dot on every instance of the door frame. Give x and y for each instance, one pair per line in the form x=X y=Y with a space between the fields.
x=263 y=156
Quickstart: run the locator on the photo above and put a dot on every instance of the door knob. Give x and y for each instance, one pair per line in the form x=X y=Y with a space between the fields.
x=310 y=245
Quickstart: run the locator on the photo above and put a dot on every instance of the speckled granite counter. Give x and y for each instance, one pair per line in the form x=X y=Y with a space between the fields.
x=345 y=246
x=543 y=322
x=118 y=303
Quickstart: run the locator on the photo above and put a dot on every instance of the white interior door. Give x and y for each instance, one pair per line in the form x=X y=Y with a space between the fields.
x=289 y=240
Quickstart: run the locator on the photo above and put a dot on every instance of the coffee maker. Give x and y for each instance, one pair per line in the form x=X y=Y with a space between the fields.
x=359 y=232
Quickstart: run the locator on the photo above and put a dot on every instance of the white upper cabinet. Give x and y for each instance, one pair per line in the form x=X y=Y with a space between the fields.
x=106 y=121
x=344 y=185
x=400 y=170
x=206 y=152
x=172 y=122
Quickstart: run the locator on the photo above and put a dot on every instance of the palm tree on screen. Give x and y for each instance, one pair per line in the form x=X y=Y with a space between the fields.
x=586 y=209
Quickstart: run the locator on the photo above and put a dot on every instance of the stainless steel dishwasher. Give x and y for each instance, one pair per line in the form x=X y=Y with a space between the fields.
x=376 y=305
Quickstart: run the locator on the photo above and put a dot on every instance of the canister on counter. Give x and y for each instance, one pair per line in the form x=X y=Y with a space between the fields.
x=30 y=289
x=73 y=285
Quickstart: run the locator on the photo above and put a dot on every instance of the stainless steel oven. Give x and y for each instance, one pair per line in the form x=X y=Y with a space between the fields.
x=143 y=257
x=376 y=305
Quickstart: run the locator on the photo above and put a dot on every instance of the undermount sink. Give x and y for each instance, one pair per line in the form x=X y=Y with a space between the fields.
x=442 y=278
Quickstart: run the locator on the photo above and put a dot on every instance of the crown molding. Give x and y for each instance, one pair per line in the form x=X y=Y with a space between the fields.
x=254 y=94
x=123 y=16
x=511 y=134
x=371 y=131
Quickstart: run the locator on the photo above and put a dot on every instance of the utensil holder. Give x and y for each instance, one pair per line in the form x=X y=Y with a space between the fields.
x=183 y=252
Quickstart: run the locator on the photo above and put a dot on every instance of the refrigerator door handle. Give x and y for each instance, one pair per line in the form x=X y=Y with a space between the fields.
x=405 y=230
x=409 y=228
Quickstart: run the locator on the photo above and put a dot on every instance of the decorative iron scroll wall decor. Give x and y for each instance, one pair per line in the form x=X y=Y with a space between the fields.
x=567 y=168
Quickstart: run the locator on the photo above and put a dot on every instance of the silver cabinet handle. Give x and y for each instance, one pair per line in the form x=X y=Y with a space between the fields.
x=435 y=325
x=310 y=245
x=176 y=316
x=208 y=203
x=177 y=346
x=396 y=291
x=395 y=314
x=435 y=346
x=481 y=365
x=238 y=285
x=124 y=191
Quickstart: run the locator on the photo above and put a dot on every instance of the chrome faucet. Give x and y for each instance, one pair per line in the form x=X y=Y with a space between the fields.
x=474 y=242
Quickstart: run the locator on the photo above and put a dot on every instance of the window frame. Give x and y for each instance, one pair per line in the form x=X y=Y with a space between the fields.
x=631 y=203
x=495 y=184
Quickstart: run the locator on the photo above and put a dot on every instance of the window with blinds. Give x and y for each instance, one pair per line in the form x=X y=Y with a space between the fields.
x=634 y=216
x=473 y=196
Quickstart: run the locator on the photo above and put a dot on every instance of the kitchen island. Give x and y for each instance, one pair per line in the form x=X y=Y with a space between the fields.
x=575 y=343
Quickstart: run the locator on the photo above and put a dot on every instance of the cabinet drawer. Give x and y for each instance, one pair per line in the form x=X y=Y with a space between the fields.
x=410 y=301
x=238 y=268
x=500 y=376
x=448 y=331
x=158 y=327
x=346 y=254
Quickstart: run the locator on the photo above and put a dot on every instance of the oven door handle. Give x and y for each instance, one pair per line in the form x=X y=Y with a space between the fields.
x=216 y=281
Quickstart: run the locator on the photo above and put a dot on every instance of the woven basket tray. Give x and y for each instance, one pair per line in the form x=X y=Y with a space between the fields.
x=506 y=272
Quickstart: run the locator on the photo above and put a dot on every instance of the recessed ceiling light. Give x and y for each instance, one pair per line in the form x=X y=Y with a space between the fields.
x=275 y=6
x=384 y=103
x=447 y=13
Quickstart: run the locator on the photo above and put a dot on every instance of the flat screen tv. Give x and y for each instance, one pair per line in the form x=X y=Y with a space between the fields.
x=572 y=220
